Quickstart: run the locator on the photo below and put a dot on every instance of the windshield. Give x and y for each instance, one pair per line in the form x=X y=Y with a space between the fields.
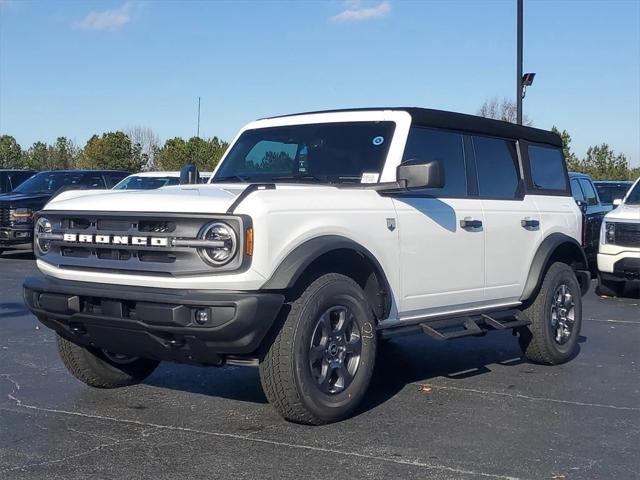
x=50 y=182
x=146 y=183
x=321 y=152
x=634 y=195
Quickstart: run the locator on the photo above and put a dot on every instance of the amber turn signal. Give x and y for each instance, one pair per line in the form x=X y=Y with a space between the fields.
x=248 y=249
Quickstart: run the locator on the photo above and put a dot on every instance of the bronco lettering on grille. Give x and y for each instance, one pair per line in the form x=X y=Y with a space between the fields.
x=116 y=240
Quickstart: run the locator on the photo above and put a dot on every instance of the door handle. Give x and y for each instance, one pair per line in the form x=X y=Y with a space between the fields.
x=468 y=222
x=529 y=223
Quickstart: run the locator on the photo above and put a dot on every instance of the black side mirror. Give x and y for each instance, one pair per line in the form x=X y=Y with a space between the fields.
x=189 y=175
x=582 y=205
x=417 y=174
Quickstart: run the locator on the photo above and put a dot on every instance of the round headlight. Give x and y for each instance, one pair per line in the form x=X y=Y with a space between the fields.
x=223 y=233
x=43 y=225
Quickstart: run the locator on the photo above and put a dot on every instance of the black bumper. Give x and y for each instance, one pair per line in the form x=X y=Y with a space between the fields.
x=625 y=269
x=14 y=236
x=152 y=322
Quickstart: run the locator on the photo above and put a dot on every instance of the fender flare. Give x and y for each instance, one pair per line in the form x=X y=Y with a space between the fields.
x=296 y=262
x=542 y=259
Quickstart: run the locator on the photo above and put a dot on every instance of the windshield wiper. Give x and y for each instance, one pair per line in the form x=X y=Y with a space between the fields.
x=230 y=178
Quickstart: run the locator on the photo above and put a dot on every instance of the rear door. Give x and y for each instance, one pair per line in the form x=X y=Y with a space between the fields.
x=512 y=219
x=442 y=263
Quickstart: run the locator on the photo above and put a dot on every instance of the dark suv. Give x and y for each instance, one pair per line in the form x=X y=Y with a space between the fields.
x=611 y=190
x=593 y=211
x=10 y=179
x=17 y=208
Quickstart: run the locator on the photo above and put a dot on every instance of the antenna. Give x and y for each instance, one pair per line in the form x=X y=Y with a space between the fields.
x=198 y=134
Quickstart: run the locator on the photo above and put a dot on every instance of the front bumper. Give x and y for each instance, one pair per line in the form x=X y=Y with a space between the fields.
x=155 y=323
x=619 y=267
x=15 y=236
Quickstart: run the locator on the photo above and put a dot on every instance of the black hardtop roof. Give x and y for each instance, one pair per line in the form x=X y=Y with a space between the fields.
x=427 y=117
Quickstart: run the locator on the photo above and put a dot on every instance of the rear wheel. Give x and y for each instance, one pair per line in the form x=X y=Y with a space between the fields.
x=319 y=365
x=610 y=288
x=556 y=318
x=102 y=369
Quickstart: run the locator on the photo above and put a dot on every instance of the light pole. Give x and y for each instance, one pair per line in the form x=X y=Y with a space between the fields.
x=519 y=64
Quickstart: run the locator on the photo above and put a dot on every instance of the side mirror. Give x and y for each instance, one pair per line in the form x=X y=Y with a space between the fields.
x=582 y=205
x=617 y=202
x=189 y=175
x=417 y=174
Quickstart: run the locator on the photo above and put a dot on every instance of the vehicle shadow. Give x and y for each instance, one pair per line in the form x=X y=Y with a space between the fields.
x=401 y=362
x=18 y=255
x=13 y=309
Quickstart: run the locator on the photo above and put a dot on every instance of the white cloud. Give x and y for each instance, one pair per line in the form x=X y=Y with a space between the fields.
x=356 y=12
x=110 y=20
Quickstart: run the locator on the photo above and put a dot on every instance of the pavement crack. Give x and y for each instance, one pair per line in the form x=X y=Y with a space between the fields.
x=247 y=438
x=532 y=398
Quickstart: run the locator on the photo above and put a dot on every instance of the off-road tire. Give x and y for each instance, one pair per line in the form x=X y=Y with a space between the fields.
x=284 y=371
x=537 y=340
x=609 y=288
x=92 y=367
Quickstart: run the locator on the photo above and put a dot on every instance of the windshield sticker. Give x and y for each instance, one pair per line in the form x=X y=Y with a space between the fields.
x=377 y=141
x=369 y=177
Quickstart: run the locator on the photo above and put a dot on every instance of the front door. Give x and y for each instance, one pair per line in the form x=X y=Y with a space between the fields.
x=441 y=260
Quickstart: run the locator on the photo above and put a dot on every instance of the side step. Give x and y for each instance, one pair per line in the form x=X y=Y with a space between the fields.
x=476 y=325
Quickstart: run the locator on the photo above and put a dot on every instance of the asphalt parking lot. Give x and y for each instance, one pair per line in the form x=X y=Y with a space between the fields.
x=468 y=409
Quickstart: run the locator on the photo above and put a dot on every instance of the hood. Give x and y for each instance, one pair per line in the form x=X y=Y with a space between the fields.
x=184 y=198
x=624 y=213
x=31 y=200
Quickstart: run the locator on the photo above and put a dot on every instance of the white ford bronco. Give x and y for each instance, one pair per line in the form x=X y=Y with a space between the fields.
x=619 y=252
x=319 y=235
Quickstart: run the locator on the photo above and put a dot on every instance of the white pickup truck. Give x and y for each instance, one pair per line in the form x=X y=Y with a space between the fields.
x=318 y=235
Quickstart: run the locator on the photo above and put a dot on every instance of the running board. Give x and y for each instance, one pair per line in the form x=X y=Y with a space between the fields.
x=476 y=325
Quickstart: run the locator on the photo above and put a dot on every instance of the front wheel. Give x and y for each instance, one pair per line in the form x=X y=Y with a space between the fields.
x=320 y=363
x=556 y=318
x=103 y=369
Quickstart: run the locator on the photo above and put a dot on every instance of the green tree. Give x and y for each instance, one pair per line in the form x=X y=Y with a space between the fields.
x=602 y=163
x=176 y=153
x=573 y=163
x=37 y=157
x=111 y=150
x=63 y=154
x=10 y=152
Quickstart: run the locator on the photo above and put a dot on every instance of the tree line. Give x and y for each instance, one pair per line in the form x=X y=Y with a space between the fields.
x=137 y=149
x=600 y=161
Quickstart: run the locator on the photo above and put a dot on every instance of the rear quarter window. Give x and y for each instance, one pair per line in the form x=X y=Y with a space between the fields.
x=547 y=168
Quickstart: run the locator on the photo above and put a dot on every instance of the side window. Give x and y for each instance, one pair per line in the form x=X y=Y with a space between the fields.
x=93 y=181
x=589 y=192
x=497 y=163
x=5 y=185
x=425 y=145
x=576 y=191
x=547 y=168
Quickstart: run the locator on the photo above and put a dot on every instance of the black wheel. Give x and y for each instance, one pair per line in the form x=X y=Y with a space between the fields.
x=556 y=318
x=102 y=369
x=320 y=363
x=610 y=288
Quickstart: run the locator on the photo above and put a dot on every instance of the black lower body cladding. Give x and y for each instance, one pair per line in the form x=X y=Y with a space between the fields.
x=186 y=326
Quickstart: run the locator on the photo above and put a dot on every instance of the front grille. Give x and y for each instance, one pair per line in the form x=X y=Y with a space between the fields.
x=4 y=216
x=627 y=234
x=103 y=253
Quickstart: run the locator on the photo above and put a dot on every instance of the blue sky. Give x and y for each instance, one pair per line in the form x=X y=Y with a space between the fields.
x=75 y=68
